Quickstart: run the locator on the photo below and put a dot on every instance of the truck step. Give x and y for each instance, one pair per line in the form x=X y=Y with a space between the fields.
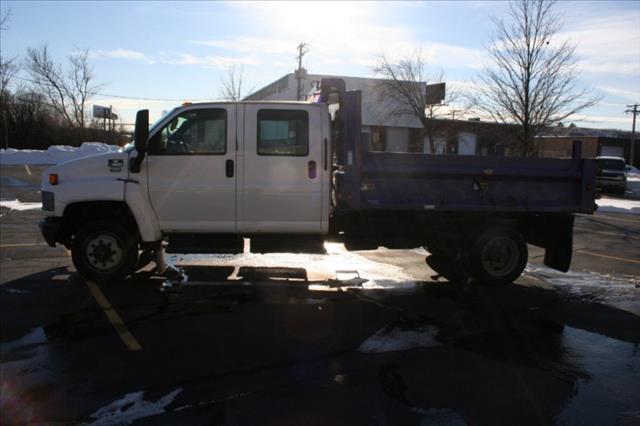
x=204 y=244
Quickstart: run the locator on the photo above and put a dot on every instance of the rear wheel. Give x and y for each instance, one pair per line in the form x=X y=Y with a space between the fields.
x=498 y=256
x=105 y=251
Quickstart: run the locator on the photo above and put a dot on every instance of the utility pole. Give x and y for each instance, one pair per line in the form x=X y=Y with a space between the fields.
x=635 y=112
x=302 y=49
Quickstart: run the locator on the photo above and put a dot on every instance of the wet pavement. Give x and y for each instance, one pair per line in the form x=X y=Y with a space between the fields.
x=289 y=339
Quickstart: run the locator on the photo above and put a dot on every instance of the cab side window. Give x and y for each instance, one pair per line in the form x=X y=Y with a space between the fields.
x=283 y=132
x=194 y=132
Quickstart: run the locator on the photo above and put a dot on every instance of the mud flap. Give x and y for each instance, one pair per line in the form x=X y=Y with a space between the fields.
x=555 y=234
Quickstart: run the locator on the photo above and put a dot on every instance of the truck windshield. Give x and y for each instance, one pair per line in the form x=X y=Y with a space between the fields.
x=611 y=164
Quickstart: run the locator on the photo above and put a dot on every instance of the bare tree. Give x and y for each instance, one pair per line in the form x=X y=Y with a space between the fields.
x=4 y=19
x=231 y=82
x=67 y=92
x=403 y=89
x=533 y=79
x=8 y=67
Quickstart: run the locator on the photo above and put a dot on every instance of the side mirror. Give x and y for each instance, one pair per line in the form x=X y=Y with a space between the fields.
x=141 y=136
x=142 y=130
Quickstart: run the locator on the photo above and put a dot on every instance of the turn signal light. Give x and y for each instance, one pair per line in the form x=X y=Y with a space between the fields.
x=53 y=179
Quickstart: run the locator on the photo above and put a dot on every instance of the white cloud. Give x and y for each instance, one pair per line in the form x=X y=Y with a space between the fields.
x=625 y=93
x=178 y=58
x=121 y=53
x=607 y=44
x=352 y=37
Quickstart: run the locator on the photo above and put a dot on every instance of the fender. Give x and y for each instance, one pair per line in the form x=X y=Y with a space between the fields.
x=135 y=195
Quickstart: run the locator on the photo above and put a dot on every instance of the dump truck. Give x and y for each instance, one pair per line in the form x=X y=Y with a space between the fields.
x=206 y=176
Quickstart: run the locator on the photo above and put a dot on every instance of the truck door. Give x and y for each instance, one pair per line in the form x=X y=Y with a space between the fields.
x=191 y=170
x=282 y=172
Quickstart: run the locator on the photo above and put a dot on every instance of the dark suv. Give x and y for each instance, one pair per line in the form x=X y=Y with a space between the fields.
x=611 y=174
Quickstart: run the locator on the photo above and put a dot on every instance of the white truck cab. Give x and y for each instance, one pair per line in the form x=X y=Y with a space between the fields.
x=224 y=169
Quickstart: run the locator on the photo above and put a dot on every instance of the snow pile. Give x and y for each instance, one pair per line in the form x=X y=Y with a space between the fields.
x=617 y=205
x=54 y=154
x=633 y=174
x=130 y=408
x=19 y=205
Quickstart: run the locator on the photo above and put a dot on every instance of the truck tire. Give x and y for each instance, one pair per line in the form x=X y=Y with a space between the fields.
x=498 y=256
x=105 y=251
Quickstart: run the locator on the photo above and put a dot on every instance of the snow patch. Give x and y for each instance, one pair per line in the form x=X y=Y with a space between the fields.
x=19 y=205
x=54 y=154
x=619 y=291
x=131 y=407
x=390 y=339
x=617 y=205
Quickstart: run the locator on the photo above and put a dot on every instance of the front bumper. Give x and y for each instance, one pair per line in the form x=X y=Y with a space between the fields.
x=50 y=229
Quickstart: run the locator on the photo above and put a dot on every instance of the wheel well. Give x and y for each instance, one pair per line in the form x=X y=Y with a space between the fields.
x=77 y=214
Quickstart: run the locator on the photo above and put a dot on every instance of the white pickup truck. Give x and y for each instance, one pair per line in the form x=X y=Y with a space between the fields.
x=207 y=175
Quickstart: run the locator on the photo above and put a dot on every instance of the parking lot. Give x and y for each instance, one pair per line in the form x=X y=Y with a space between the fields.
x=343 y=337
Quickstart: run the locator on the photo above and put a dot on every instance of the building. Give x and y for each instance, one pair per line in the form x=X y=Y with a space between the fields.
x=384 y=130
x=592 y=146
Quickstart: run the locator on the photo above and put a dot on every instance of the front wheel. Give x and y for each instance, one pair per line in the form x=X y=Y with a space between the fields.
x=104 y=251
x=498 y=256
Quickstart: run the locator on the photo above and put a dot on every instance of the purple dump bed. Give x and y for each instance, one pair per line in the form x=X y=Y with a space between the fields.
x=473 y=183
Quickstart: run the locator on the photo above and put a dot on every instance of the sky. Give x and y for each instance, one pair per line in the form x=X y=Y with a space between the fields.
x=180 y=51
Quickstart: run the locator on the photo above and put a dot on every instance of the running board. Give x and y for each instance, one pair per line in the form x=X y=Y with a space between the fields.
x=204 y=244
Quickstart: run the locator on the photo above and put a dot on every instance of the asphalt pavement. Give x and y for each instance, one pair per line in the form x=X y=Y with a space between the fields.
x=288 y=339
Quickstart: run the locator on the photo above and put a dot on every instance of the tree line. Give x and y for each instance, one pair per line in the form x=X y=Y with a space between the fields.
x=50 y=105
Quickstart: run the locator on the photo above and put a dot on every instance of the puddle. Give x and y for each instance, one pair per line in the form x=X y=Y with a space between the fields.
x=611 y=393
x=131 y=407
x=393 y=338
x=439 y=417
x=33 y=338
x=613 y=290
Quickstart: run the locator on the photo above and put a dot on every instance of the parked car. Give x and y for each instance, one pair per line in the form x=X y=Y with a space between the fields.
x=611 y=174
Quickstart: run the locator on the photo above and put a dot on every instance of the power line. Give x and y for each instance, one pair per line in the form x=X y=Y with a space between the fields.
x=135 y=98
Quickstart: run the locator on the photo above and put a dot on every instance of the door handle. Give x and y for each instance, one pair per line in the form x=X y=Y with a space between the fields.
x=229 y=168
x=311 y=170
x=325 y=154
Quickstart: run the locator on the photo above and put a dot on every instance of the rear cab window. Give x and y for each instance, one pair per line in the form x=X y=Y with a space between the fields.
x=283 y=132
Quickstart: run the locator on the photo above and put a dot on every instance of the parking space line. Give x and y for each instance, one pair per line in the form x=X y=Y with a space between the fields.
x=623 y=259
x=27 y=169
x=130 y=342
x=23 y=245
